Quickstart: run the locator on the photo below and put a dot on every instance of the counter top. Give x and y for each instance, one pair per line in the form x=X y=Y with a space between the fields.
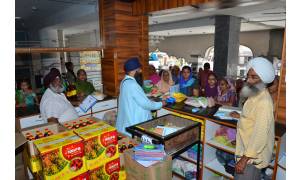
x=77 y=102
x=208 y=113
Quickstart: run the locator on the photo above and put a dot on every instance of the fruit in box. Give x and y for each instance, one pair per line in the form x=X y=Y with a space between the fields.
x=100 y=143
x=109 y=171
x=62 y=155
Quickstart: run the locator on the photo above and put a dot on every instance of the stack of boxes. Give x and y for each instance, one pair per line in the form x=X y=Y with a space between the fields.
x=88 y=152
x=101 y=150
x=62 y=156
x=33 y=134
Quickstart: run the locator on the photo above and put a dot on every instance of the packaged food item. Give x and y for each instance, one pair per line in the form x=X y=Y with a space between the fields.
x=109 y=170
x=62 y=155
x=80 y=122
x=39 y=132
x=100 y=143
x=84 y=176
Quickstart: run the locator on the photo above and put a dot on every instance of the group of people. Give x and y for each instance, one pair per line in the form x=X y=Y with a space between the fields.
x=26 y=97
x=255 y=128
x=54 y=105
x=224 y=91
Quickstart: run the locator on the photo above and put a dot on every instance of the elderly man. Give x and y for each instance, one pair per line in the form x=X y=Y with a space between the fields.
x=255 y=129
x=134 y=106
x=54 y=105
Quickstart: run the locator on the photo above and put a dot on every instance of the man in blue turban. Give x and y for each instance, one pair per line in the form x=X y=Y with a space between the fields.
x=134 y=106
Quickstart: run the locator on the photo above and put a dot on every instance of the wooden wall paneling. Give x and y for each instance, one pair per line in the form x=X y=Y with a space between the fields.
x=142 y=7
x=280 y=110
x=180 y=3
x=186 y=2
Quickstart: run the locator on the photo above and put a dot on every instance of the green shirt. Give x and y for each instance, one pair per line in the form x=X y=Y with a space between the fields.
x=27 y=98
x=84 y=86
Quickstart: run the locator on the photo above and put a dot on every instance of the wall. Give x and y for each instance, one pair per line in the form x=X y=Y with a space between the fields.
x=184 y=46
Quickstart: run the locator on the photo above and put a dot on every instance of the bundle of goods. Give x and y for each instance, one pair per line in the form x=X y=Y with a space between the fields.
x=62 y=155
x=98 y=95
x=197 y=102
x=147 y=86
x=100 y=143
x=165 y=130
x=226 y=136
x=184 y=168
x=179 y=97
x=80 y=122
x=200 y=102
x=227 y=160
x=149 y=152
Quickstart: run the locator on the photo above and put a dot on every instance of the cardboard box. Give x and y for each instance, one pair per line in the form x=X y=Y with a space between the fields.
x=62 y=155
x=33 y=162
x=84 y=176
x=136 y=171
x=100 y=143
x=126 y=140
x=110 y=170
x=51 y=128
x=80 y=122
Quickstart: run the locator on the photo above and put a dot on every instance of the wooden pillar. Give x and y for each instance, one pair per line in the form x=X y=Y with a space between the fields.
x=125 y=36
x=280 y=109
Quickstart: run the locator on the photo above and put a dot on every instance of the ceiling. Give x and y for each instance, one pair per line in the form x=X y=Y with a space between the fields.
x=191 y=20
x=31 y=12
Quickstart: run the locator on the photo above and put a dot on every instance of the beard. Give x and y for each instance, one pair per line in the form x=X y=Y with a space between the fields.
x=139 y=78
x=251 y=90
x=58 y=89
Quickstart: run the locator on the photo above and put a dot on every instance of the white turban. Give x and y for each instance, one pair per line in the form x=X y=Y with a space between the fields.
x=263 y=68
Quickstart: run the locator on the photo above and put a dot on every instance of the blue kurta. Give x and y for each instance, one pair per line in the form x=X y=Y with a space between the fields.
x=134 y=106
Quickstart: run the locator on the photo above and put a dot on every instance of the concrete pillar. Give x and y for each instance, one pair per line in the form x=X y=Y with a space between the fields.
x=226 y=51
x=61 y=43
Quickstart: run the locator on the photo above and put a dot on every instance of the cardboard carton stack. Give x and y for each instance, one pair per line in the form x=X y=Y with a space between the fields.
x=100 y=150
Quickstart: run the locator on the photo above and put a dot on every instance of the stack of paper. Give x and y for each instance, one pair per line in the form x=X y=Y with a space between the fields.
x=143 y=154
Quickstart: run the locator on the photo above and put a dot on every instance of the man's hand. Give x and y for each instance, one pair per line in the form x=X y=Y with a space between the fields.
x=241 y=165
x=234 y=114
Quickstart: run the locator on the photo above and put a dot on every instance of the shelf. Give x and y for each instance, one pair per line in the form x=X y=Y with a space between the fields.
x=187 y=158
x=220 y=146
x=180 y=176
x=217 y=168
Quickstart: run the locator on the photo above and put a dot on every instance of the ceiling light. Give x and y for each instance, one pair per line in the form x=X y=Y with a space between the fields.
x=17 y=17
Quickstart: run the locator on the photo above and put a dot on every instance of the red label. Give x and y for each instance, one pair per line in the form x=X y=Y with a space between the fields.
x=112 y=166
x=84 y=176
x=109 y=138
x=73 y=150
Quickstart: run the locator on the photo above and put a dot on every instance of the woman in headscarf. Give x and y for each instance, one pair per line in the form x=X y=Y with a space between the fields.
x=211 y=87
x=165 y=82
x=226 y=96
x=83 y=87
x=187 y=84
x=153 y=75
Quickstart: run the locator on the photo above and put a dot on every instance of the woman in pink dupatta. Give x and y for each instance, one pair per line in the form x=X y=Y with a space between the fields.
x=165 y=82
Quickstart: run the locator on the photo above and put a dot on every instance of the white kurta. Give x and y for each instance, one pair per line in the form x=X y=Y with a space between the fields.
x=57 y=106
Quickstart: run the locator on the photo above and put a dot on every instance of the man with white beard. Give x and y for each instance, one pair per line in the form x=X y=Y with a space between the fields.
x=255 y=129
x=54 y=105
